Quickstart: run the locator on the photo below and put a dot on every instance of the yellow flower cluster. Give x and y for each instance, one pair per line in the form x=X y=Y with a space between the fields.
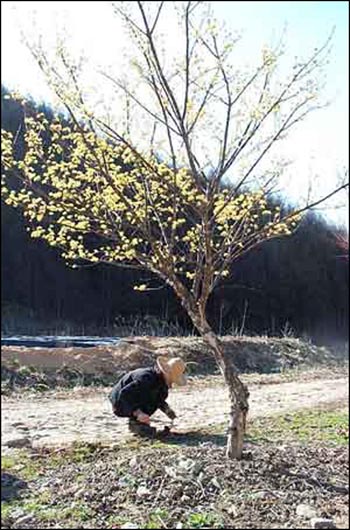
x=108 y=203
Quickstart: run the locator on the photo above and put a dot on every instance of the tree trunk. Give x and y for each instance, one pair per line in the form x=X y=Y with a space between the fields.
x=238 y=392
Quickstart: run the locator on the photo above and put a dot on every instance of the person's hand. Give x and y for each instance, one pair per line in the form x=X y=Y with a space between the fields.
x=170 y=413
x=142 y=417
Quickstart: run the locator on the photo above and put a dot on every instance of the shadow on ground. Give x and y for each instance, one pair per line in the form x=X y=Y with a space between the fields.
x=193 y=438
x=11 y=486
x=197 y=438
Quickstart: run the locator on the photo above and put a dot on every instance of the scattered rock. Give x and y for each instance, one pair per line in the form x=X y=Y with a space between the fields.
x=129 y=525
x=263 y=495
x=214 y=481
x=185 y=498
x=232 y=510
x=133 y=461
x=189 y=466
x=186 y=464
x=80 y=492
x=305 y=510
x=142 y=491
x=170 y=471
x=24 y=519
x=320 y=522
x=123 y=482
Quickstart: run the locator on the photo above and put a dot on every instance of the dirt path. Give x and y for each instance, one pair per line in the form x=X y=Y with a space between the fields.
x=51 y=421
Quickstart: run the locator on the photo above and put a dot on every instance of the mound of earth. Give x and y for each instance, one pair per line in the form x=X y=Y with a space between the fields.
x=102 y=364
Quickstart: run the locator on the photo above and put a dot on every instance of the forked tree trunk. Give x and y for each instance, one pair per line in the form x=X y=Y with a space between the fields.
x=238 y=392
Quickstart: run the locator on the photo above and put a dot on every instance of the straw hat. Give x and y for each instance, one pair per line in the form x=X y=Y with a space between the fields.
x=173 y=369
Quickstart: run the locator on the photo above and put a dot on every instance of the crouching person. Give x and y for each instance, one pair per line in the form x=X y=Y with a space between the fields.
x=143 y=391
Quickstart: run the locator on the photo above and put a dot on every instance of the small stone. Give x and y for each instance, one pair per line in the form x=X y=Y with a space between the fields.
x=214 y=481
x=232 y=510
x=305 y=510
x=321 y=522
x=80 y=492
x=142 y=491
x=129 y=525
x=261 y=495
x=186 y=464
x=24 y=519
x=133 y=461
x=185 y=498
x=123 y=482
x=171 y=471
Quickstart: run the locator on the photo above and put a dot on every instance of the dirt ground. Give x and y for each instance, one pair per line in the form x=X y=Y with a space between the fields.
x=75 y=416
x=112 y=484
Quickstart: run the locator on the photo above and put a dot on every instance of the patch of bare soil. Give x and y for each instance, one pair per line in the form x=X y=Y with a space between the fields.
x=48 y=420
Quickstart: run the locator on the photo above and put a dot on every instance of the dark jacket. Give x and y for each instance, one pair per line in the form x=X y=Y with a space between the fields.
x=144 y=389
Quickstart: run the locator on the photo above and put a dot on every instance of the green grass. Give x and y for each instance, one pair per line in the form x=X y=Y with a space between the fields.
x=6 y=509
x=21 y=464
x=202 y=520
x=305 y=426
x=41 y=508
x=157 y=518
x=29 y=467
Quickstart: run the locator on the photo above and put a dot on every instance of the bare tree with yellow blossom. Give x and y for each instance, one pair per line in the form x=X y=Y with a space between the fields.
x=150 y=191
